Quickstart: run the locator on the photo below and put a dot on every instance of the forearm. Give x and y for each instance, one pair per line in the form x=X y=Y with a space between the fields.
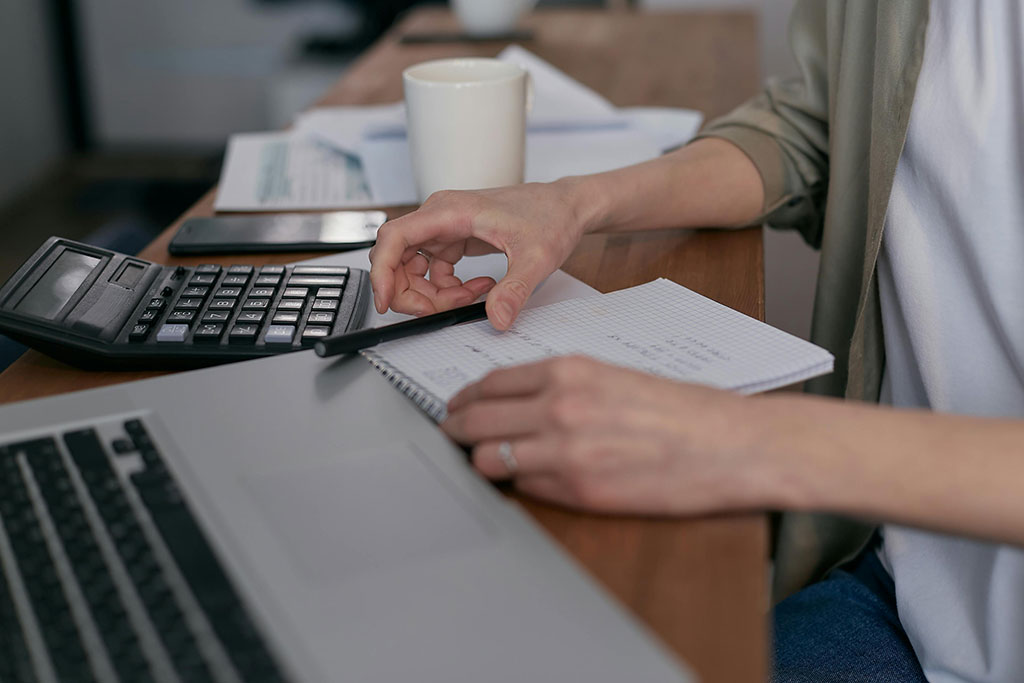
x=709 y=183
x=954 y=474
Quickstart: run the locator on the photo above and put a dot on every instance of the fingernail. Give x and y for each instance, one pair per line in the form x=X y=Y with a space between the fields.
x=376 y=302
x=505 y=313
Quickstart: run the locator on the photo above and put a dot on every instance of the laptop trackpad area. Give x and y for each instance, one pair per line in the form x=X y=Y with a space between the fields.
x=366 y=511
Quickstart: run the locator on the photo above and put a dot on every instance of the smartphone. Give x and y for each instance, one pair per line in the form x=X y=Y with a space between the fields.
x=334 y=231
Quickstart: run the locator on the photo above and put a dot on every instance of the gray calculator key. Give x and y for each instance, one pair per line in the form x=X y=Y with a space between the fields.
x=196 y=291
x=320 y=270
x=149 y=316
x=233 y=280
x=268 y=280
x=315 y=332
x=138 y=332
x=250 y=317
x=208 y=268
x=222 y=304
x=329 y=292
x=189 y=303
x=256 y=304
x=296 y=292
x=203 y=279
x=280 y=334
x=291 y=305
x=240 y=270
x=181 y=316
x=270 y=270
x=243 y=334
x=172 y=334
x=261 y=292
x=229 y=292
x=209 y=333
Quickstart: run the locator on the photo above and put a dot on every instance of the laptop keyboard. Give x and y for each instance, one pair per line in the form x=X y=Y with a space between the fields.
x=105 y=575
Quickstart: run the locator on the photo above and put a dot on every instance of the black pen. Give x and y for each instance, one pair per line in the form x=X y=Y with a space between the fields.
x=351 y=342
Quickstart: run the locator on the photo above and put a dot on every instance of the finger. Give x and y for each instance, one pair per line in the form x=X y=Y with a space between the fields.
x=525 y=273
x=488 y=420
x=549 y=488
x=479 y=285
x=521 y=380
x=397 y=236
x=531 y=456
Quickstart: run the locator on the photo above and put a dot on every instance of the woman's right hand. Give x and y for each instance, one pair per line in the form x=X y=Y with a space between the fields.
x=536 y=226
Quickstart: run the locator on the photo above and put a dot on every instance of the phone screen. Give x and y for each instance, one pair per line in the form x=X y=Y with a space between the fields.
x=279 y=232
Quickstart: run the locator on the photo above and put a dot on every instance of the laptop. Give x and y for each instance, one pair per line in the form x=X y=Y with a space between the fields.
x=283 y=519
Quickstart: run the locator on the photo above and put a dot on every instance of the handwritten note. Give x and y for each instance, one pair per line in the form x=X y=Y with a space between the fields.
x=661 y=328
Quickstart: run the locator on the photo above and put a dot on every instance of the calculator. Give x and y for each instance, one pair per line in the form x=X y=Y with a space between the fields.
x=98 y=308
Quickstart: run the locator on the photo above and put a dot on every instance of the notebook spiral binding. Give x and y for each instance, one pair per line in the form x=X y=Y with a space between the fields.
x=424 y=400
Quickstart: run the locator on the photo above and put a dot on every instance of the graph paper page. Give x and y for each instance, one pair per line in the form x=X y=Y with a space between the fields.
x=659 y=327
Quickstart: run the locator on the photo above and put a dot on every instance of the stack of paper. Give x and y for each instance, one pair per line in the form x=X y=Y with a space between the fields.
x=352 y=157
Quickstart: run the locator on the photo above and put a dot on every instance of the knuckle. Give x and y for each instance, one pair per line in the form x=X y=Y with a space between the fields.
x=567 y=409
x=569 y=371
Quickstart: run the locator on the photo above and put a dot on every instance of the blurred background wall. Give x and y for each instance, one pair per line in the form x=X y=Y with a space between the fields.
x=161 y=84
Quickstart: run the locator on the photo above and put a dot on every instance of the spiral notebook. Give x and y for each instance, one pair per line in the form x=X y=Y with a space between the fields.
x=660 y=327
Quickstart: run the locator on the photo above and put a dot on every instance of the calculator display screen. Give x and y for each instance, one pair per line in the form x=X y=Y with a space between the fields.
x=57 y=285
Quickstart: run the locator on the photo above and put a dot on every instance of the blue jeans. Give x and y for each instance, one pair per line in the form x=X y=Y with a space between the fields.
x=844 y=629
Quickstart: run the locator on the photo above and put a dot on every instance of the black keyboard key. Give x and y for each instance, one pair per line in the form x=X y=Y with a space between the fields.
x=216 y=316
x=325 y=305
x=222 y=304
x=251 y=317
x=209 y=332
x=268 y=280
x=15 y=664
x=123 y=446
x=291 y=305
x=243 y=334
x=181 y=317
x=139 y=332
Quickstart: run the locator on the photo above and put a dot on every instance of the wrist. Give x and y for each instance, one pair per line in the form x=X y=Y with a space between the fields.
x=586 y=203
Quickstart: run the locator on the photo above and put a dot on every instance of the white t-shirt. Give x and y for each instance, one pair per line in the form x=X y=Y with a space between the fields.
x=951 y=283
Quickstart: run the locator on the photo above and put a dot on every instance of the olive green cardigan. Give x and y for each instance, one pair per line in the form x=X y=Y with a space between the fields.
x=826 y=145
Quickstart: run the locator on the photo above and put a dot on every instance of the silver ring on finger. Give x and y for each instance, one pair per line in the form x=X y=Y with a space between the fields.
x=507 y=459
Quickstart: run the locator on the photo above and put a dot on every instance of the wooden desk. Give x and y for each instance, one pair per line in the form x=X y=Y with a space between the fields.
x=700 y=584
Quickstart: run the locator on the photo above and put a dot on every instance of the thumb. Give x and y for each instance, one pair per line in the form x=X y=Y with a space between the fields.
x=507 y=298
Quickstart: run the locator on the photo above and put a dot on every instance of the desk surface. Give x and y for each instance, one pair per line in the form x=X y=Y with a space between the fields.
x=700 y=584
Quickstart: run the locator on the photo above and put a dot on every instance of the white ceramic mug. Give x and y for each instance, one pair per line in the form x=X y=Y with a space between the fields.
x=466 y=123
x=490 y=17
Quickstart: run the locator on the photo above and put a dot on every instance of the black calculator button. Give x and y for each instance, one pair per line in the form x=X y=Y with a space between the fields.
x=217 y=316
x=138 y=333
x=271 y=270
x=234 y=280
x=291 y=305
x=256 y=304
x=243 y=334
x=329 y=292
x=280 y=334
x=208 y=268
x=320 y=317
x=156 y=304
x=209 y=332
x=268 y=280
x=316 y=280
x=240 y=270
x=222 y=304
x=188 y=303
x=260 y=292
x=325 y=305
x=203 y=279
x=166 y=291
x=181 y=316
x=285 y=317
x=228 y=292
x=250 y=317
x=172 y=334
x=315 y=333
x=296 y=293
x=149 y=316
x=201 y=292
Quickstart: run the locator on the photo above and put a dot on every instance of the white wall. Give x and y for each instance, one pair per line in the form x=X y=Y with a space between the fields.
x=791 y=267
x=31 y=127
x=192 y=72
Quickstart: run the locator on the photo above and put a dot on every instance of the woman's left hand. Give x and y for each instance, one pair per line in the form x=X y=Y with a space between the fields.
x=589 y=435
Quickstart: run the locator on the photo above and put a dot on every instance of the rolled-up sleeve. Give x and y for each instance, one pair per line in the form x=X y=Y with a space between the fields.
x=785 y=130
